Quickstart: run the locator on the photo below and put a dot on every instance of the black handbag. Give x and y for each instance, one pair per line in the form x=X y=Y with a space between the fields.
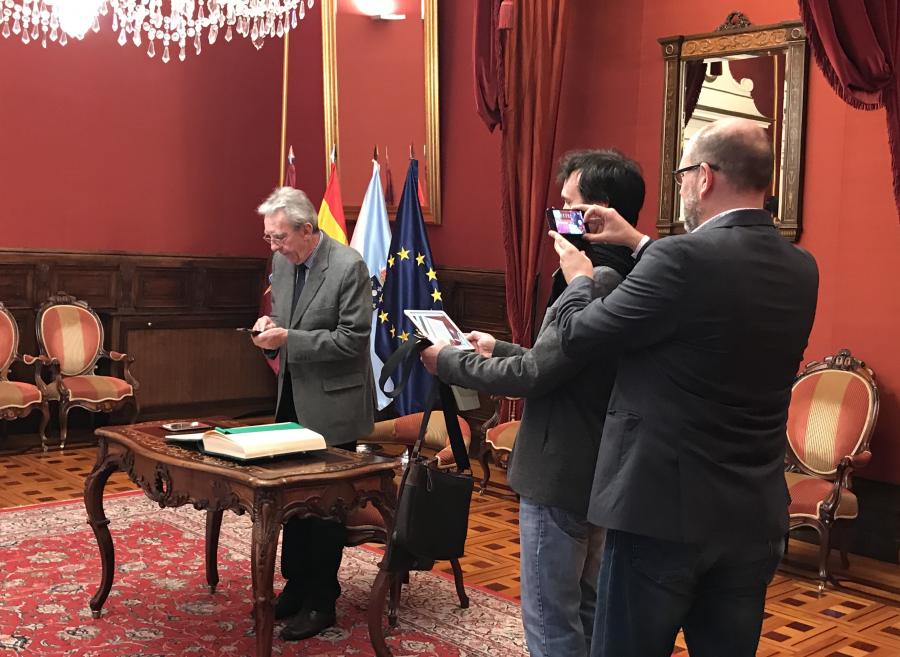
x=433 y=507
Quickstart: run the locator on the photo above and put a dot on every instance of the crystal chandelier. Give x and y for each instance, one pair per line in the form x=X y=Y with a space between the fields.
x=157 y=23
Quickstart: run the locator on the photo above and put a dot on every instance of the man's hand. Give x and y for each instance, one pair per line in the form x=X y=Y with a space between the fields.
x=606 y=226
x=264 y=323
x=429 y=355
x=572 y=262
x=483 y=342
x=271 y=338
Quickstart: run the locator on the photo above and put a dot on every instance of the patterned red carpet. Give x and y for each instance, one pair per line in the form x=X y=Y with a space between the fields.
x=159 y=605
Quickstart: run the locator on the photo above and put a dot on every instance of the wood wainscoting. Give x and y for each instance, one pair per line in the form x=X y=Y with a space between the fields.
x=476 y=300
x=175 y=314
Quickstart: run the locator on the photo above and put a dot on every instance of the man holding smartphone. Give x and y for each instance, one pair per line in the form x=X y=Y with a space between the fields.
x=709 y=330
x=319 y=329
x=552 y=463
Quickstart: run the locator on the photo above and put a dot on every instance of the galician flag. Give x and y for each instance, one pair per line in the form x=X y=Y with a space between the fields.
x=331 y=212
x=372 y=238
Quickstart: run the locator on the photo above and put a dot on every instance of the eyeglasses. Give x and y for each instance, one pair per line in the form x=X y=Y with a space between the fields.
x=679 y=173
x=277 y=240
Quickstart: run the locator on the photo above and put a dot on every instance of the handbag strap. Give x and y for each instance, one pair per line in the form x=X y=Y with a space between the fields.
x=406 y=355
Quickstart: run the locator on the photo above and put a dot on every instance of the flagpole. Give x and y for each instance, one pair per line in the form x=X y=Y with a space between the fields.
x=284 y=94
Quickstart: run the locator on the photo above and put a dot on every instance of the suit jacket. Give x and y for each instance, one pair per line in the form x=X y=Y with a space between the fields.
x=710 y=328
x=327 y=351
x=552 y=462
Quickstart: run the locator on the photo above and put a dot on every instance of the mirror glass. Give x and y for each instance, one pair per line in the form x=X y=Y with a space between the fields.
x=381 y=93
x=744 y=86
x=757 y=73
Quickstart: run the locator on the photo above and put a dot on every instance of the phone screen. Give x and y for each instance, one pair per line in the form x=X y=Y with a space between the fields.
x=566 y=222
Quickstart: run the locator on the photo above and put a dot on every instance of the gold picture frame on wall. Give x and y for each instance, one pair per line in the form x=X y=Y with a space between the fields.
x=427 y=152
x=734 y=40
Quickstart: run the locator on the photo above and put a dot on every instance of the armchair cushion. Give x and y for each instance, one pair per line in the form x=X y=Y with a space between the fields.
x=94 y=388
x=71 y=335
x=15 y=394
x=367 y=516
x=404 y=431
x=9 y=334
x=503 y=436
x=807 y=494
x=827 y=417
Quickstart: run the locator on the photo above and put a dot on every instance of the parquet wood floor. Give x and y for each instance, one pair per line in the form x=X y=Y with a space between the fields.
x=844 y=622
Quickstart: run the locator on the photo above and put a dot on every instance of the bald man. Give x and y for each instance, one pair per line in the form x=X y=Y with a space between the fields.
x=710 y=328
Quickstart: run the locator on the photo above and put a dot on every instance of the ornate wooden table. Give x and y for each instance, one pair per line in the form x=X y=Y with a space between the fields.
x=329 y=484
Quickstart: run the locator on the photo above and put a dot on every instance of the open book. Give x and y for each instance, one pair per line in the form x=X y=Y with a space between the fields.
x=262 y=440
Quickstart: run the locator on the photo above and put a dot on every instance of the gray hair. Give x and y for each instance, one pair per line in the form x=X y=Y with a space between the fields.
x=295 y=205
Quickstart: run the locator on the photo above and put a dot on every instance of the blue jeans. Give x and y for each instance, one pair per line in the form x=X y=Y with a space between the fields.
x=560 y=559
x=650 y=588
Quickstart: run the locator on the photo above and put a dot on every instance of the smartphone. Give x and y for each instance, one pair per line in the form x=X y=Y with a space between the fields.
x=251 y=331
x=566 y=222
x=176 y=427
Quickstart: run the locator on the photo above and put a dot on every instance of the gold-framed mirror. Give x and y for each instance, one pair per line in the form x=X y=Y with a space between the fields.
x=381 y=91
x=754 y=72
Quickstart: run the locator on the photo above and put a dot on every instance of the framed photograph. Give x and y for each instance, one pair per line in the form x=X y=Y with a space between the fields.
x=437 y=325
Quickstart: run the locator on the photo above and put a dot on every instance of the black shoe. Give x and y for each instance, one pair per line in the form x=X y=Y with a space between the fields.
x=288 y=603
x=307 y=623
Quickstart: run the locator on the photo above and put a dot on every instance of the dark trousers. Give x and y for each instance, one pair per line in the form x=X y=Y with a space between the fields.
x=311 y=548
x=649 y=588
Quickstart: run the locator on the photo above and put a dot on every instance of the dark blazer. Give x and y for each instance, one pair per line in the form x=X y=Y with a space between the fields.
x=328 y=341
x=710 y=328
x=552 y=462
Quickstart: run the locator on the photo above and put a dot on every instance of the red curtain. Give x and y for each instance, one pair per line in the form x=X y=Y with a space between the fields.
x=856 y=43
x=534 y=52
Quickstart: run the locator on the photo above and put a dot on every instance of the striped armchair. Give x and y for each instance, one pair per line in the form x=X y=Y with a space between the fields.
x=18 y=399
x=834 y=406
x=70 y=333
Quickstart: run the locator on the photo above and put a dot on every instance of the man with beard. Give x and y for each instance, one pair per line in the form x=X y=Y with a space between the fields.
x=552 y=463
x=710 y=328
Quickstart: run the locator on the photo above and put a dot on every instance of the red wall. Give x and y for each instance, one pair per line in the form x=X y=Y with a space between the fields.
x=470 y=156
x=105 y=149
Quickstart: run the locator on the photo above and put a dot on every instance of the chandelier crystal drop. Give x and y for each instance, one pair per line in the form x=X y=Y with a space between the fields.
x=182 y=23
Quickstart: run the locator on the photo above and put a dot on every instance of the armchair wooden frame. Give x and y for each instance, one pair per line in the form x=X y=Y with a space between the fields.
x=509 y=409
x=10 y=356
x=63 y=370
x=826 y=521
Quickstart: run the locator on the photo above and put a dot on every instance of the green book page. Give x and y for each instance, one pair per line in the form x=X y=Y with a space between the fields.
x=278 y=426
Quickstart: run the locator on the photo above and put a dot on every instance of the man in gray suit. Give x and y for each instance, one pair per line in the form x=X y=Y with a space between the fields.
x=552 y=463
x=319 y=329
x=710 y=329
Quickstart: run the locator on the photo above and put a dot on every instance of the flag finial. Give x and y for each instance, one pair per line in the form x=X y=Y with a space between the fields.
x=375 y=153
x=334 y=153
x=412 y=151
x=291 y=154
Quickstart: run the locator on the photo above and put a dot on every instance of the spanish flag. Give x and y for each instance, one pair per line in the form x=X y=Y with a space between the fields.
x=331 y=213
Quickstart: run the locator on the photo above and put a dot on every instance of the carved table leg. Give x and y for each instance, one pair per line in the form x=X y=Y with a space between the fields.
x=265 y=537
x=485 y=460
x=397 y=582
x=377 y=599
x=93 y=502
x=458 y=580
x=213 y=525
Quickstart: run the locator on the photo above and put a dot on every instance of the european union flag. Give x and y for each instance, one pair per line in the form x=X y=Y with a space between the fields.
x=410 y=284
